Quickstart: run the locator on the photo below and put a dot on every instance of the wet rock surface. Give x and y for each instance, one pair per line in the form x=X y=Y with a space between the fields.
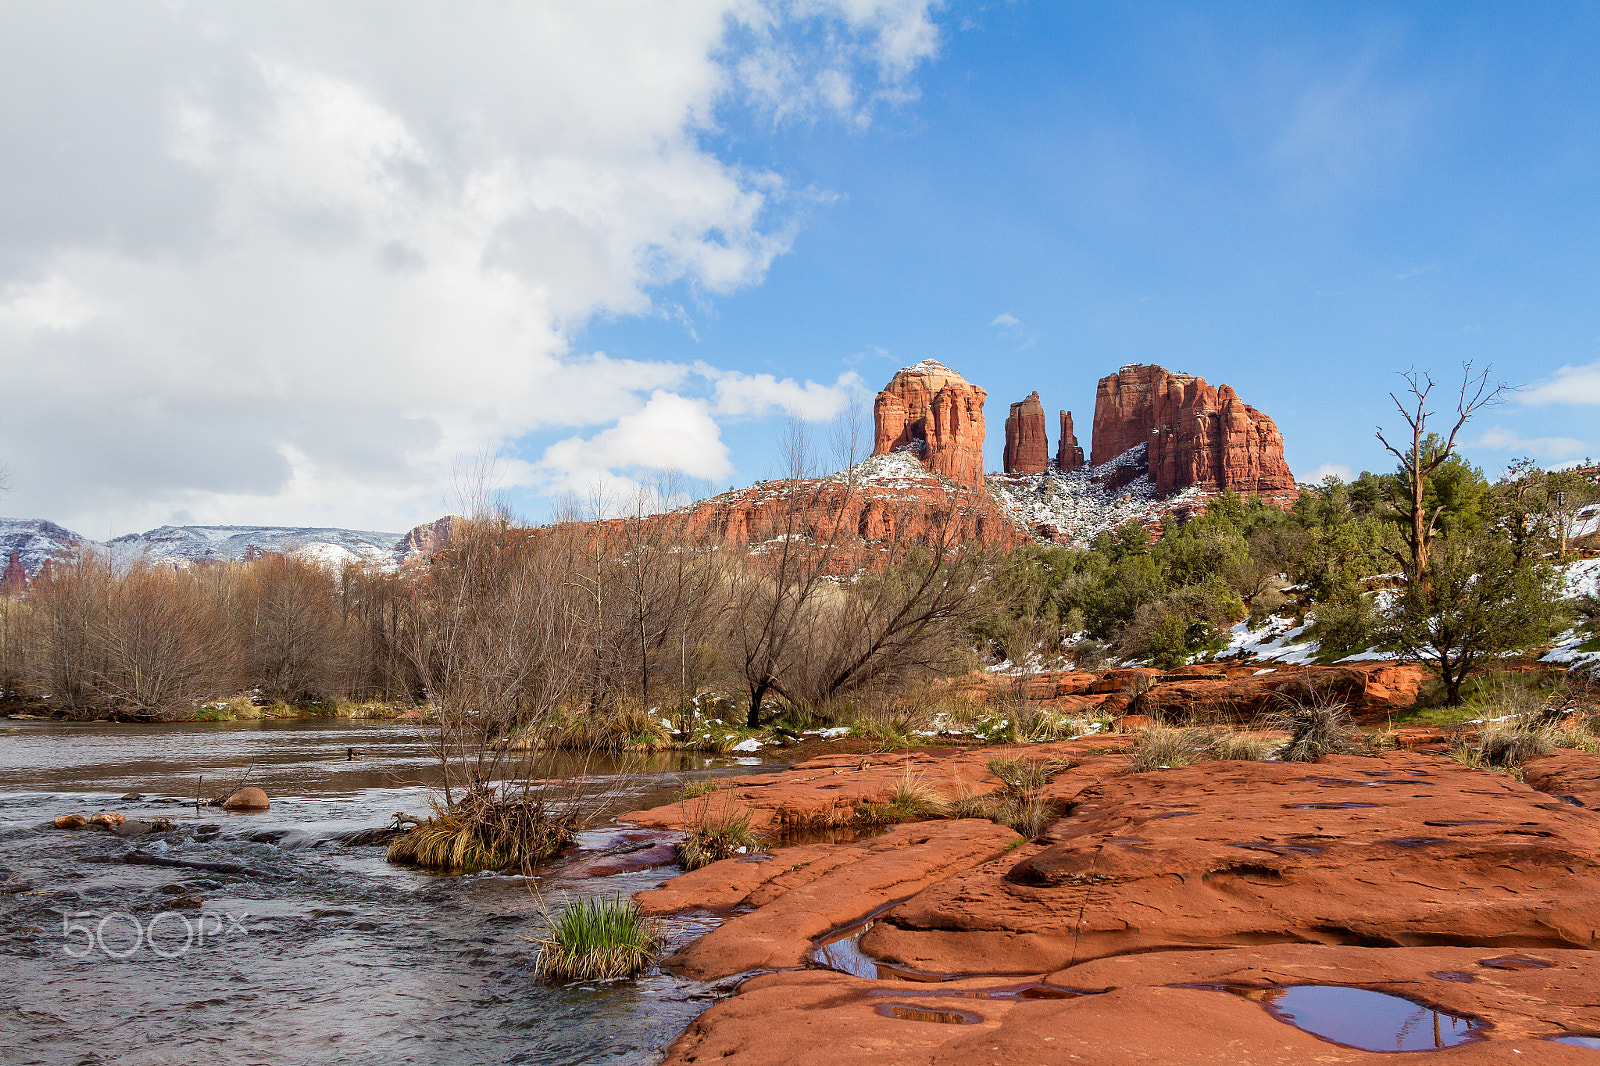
x=1202 y=914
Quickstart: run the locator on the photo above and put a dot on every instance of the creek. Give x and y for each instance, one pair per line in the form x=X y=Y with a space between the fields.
x=302 y=949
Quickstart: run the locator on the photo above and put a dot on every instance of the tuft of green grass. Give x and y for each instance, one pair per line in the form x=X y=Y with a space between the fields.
x=597 y=939
x=695 y=789
x=711 y=839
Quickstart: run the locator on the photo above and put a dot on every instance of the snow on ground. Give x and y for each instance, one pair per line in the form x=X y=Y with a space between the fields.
x=1586 y=522
x=1568 y=652
x=1581 y=578
x=1081 y=507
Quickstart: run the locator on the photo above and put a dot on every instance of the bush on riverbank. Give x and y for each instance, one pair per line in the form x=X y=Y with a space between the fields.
x=597 y=939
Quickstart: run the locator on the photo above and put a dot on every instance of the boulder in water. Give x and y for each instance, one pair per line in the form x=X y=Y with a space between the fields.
x=71 y=821
x=249 y=798
x=109 y=819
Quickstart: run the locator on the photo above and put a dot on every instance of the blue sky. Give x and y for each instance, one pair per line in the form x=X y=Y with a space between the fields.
x=1299 y=201
x=262 y=264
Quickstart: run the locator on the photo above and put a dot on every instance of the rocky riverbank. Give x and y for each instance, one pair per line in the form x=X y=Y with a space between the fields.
x=1168 y=916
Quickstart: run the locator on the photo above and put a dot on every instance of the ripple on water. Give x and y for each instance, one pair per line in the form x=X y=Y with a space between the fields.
x=338 y=956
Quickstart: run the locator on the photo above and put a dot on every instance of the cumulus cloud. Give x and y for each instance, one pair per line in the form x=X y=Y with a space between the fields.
x=670 y=432
x=263 y=262
x=1500 y=439
x=1570 y=384
x=1341 y=471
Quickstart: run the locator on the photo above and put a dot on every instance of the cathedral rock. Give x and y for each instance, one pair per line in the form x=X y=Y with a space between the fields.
x=931 y=405
x=1027 y=450
x=1198 y=434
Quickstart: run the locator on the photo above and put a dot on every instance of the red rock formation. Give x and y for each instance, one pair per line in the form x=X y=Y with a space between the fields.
x=1198 y=434
x=1069 y=454
x=831 y=509
x=14 y=579
x=424 y=540
x=1027 y=448
x=932 y=404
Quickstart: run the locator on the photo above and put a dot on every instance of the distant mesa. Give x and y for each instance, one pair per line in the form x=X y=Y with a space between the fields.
x=1161 y=442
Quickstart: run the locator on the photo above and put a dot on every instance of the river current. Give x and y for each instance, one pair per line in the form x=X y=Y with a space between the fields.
x=298 y=948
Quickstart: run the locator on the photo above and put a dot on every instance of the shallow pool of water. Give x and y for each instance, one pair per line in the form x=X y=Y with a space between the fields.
x=1371 y=1021
x=311 y=951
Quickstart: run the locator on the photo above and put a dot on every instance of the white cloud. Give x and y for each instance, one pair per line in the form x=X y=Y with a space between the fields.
x=1570 y=384
x=1011 y=327
x=757 y=395
x=290 y=269
x=1339 y=470
x=1500 y=439
x=670 y=432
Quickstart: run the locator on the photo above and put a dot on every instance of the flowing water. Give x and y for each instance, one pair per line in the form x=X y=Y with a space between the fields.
x=281 y=943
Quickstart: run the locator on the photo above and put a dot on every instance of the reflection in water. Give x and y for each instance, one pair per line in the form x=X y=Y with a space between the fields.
x=1371 y=1021
x=318 y=952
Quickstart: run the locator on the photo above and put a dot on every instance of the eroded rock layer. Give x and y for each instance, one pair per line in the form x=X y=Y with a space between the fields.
x=1027 y=448
x=933 y=406
x=1198 y=434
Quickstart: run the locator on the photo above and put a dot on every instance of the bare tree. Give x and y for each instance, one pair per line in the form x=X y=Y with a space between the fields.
x=1426 y=453
x=774 y=596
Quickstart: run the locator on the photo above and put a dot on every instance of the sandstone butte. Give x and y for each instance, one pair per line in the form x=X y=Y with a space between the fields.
x=1027 y=450
x=1155 y=921
x=933 y=406
x=1197 y=434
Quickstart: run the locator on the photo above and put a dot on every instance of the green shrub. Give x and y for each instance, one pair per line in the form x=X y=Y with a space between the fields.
x=597 y=939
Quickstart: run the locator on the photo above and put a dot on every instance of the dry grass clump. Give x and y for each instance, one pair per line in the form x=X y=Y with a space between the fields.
x=715 y=837
x=1317 y=725
x=480 y=833
x=1247 y=747
x=598 y=939
x=1166 y=747
x=915 y=800
x=1161 y=747
x=1504 y=745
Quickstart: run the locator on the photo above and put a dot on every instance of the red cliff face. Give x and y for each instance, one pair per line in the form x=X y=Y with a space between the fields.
x=932 y=404
x=1198 y=434
x=1027 y=449
x=1069 y=455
